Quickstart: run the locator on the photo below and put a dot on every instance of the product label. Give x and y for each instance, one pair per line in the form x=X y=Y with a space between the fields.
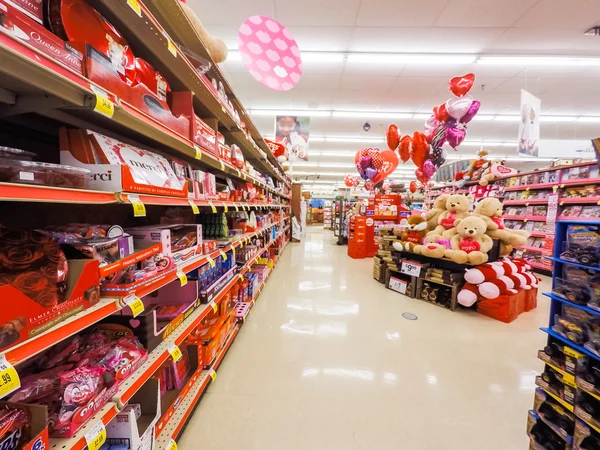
x=136 y=304
x=139 y=209
x=397 y=285
x=171 y=445
x=96 y=437
x=223 y=255
x=26 y=176
x=213 y=374
x=225 y=208
x=210 y=261
x=104 y=106
x=9 y=378
x=214 y=306
x=195 y=208
x=135 y=5
x=175 y=352
x=198 y=152
x=171 y=47
x=212 y=207
x=411 y=268
x=182 y=278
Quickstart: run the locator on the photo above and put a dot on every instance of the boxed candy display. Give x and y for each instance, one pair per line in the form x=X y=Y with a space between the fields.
x=23 y=426
x=181 y=242
x=117 y=167
x=39 y=286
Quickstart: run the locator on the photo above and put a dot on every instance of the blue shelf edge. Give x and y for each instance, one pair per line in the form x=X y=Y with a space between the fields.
x=571 y=344
x=567 y=302
x=564 y=261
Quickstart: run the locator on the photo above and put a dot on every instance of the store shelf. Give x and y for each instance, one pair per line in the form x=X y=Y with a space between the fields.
x=174 y=201
x=529 y=248
x=542 y=201
x=538 y=266
x=531 y=186
x=570 y=343
x=564 y=261
x=537 y=234
x=526 y=218
x=567 y=302
x=579 y=182
x=568 y=201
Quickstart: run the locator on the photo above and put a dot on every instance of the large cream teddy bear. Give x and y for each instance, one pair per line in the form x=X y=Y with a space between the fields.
x=490 y=210
x=471 y=244
x=215 y=46
x=457 y=208
x=433 y=215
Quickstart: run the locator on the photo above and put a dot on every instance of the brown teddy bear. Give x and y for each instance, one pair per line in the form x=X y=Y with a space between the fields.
x=413 y=235
x=457 y=208
x=495 y=168
x=490 y=210
x=471 y=244
x=433 y=215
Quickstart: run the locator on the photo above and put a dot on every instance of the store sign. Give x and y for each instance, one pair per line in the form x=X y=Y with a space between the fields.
x=411 y=268
x=293 y=133
x=397 y=285
x=529 y=125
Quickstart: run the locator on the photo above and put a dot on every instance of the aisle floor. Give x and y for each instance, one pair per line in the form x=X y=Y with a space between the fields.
x=327 y=362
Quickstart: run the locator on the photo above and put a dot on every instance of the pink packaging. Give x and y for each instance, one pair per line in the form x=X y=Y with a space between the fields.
x=180 y=369
x=182 y=242
x=33 y=8
x=210 y=185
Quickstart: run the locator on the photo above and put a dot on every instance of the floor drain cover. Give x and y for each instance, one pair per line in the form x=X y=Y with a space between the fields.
x=409 y=316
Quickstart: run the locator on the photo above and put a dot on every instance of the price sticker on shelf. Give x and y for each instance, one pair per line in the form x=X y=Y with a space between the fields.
x=139 y=209
x=562 y=203
x=96 y=437
x=135 y=303
x=411 y=268
x=182 y=278
x=198 y=152
x=225 y=208
x=222 y=165
x=214 y=306
x=171 y=47
x=9 y=378
x=172 y=445
x=211 y=261
x=236 y=207
x=239 y=174
x=135 y=5
x=175 y=352
x=244 y=175
x=213 y=208
x=397 y=285
x=224 y=255
x=195 y=208
x=104 y=106
x=213 y=374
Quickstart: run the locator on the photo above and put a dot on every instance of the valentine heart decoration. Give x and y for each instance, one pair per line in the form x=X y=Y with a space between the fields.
x=460 y=86
x=439 y=137
x=404 y=148
x=472 y=112
x=365 y=161
x=440 y=112
x=438 y=156
x=360 y=169
x=429 y=168
x=349 y=180
x=381 y=164
x=371 y=173
x=419 y=149
x=459 y=107
x=455 y=135
x=393 y=137
x=413 y=187
x=369 y=185
x=498 y=170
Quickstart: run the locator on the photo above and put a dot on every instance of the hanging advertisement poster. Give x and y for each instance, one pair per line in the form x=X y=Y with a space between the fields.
x=293 y=133
x=529 y=124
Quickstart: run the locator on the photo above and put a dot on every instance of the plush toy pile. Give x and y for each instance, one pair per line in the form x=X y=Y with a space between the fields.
x=492 y=280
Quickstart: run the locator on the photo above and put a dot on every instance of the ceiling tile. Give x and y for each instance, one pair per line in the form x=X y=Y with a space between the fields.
x=316 y=12
x=399 y=13
x=551 y=14
x=230 y=12
x=375 y=82
x=483 y=13
x=318 y=81
x=551 y=41
x=322 y=38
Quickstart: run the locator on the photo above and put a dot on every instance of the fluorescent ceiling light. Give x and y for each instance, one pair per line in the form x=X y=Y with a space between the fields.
x=322 y=57
x=359 y=140
x=300 y=112
x=421 y=116
x=538 y=60
x=372 y=114
x=483 y=117
x=557 y=118
x=410 y=58
x=588 y=119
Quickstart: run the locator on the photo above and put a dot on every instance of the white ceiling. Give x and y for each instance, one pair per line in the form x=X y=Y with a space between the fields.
x=489 y=27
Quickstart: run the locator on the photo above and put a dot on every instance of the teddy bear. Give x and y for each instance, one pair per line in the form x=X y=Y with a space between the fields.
x=413 y=235
x=490 y=210
x=494 y=169
x=433 y=215
x=457 y=208
x=215 y=46
x=471 y=244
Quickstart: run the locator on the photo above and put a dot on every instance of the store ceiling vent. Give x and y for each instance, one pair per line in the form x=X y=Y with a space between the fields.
x=594 y=31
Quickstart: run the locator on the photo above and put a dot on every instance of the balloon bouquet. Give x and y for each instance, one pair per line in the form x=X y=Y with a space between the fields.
x=351 y=180
x=374 y=166
x=447 y=124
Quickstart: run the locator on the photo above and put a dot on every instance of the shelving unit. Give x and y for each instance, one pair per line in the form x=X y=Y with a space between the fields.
x=39 y=94
x=568 y=362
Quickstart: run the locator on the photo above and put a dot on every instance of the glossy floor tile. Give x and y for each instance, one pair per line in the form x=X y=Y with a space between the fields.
x=326 y=362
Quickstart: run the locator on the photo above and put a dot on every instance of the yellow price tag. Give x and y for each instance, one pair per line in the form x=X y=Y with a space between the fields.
x=136 y=304
x=198 y=152
x=175 y=352
x=172 y=47
x=524 y=220
x=224 y=255
x=139 y=209
x=214 y=307
x=104 y=106
x=225 y=208
x=243 y=175
x=182 y=278
x=213 y=374
x=171 y=445
x=562 y=203
x=96 y=437
x=561 y=186
x=239 y=174
x=211 y=261
x=9 y=378
x=135 y=5
x=233 y=252
x=222 y=165
x=212 y=207
x=195 y=208
x=236 y=207
x=241 y=277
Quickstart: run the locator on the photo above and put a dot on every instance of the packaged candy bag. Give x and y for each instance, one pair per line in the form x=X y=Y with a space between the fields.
x=15 y=426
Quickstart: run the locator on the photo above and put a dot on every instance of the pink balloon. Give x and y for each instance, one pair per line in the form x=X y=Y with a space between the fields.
x=459 y=106
x=428 y=168
x=360 y=169
x=431 y=125
x=455 y=135
x=472 y=112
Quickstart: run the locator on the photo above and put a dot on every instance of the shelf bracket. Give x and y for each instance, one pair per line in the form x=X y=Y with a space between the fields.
x=7 y=97
x=32 y=103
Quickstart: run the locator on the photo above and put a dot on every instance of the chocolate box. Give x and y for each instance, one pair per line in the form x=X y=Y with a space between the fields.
x=182 y=242
x=200 y=132
x=39 y=427
x=32 y=8
x=16 y=24
x=117 y=167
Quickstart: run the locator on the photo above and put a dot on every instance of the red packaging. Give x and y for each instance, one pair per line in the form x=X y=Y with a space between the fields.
x=20 y=27
x=32 y=8
x=224 y=152
x=237 y=157
x=200 y=132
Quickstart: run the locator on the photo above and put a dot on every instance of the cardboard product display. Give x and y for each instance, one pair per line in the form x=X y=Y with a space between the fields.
x=585 y=436
x=18 y=25
x=411 y=287
x=38 y=431
x=506 y=308
x=118 y=167
x=200 y=132
x=560 y=419
x=379 y=269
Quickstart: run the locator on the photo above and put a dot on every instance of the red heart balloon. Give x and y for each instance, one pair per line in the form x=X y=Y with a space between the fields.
x=390 y=162
x=413 y=187
x=460 y=86
x=441 y=113
x=393 y=137
x=376 y=159
x=404 y=148
x=419 y=149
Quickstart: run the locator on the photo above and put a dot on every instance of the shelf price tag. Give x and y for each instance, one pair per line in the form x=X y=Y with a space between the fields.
x=213 y=374
x=172 y=47
x=135 y=303
x=171 y=445
x=236 y=207
x=222 y=165
x=175 y=352
x=411 y=268
x=225 y=208
x=96 y=437
x=233 y=252
x=239 y=174
x=211 y=261
x=139 y=209
x=214 y=306
x=135 y=5
x=223 y=255
x=198 y=152
x=9 y=378
x=104 y=106
x=195 y=208
x=182 y=277
x=212 y=207
x=244 y=175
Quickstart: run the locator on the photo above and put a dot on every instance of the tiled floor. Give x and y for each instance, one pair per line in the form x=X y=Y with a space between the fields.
x=326 y=362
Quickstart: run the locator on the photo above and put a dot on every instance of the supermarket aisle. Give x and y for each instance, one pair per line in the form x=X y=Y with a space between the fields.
x=326 y=362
